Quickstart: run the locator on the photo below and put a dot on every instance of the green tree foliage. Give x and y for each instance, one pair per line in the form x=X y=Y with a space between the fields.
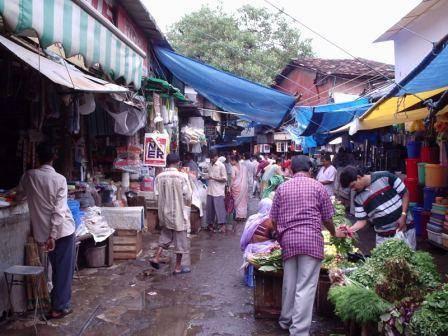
x=252 y=42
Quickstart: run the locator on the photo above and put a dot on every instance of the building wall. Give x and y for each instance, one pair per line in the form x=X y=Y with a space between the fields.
x=301 y=78
x=14 y=228
x=410 y=49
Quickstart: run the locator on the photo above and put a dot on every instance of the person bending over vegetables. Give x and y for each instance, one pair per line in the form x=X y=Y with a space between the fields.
x=381 y=198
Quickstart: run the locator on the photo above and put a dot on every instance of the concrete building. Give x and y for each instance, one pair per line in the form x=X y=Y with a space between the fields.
x=415 y=33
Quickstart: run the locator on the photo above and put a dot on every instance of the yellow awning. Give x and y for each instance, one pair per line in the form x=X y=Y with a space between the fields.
x=397 y=110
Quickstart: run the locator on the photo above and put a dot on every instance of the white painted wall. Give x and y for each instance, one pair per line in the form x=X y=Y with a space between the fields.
x=411 y=49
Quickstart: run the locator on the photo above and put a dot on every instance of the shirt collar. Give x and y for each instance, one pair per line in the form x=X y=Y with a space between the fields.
x=47 y=167
x=171 y=169
x=301 y=174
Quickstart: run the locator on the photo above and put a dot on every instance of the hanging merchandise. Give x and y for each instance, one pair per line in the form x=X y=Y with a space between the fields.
x=128 y=159
x=129 y=114
x=156 y=149
x=87 y=104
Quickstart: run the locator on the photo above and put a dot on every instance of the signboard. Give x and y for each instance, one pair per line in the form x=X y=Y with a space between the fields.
x=211 y=132
x=156 y=149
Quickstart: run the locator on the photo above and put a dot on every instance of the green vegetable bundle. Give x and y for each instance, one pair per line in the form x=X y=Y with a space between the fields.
x=372 y=271
x=343 y=245
x=356 y=303
x=432 y=317
x=268 y=262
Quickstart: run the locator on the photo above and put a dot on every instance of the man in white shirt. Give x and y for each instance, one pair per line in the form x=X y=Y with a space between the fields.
x=327 y=175
x=52 y=225
x=174 y=193
x=217 y=179
x=250 y=173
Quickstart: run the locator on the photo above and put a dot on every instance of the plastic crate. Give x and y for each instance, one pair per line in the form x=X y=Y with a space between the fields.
x=445 y=240
x=249 y=276
x=435 y=237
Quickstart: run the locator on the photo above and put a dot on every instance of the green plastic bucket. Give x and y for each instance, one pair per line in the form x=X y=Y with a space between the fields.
x=421 y=172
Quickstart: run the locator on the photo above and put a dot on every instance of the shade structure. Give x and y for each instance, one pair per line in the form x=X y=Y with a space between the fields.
x=231 y=93
x=79 y=33
x=405 y=102
x=320 y=119
x=65 y=75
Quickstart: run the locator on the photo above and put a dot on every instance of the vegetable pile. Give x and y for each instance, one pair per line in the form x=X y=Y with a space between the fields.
x=270 y=261
x=390 y=287
x=336 y=249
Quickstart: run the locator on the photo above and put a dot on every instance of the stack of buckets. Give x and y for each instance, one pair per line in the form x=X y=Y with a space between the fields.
x=423 y=177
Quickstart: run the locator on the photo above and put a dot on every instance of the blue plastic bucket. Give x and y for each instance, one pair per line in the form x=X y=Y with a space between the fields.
x=429 y=197
x=417 y=216
x=413 y=148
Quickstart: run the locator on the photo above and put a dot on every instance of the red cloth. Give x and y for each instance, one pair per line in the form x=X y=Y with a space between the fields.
x=262 y=165
x=300 y=206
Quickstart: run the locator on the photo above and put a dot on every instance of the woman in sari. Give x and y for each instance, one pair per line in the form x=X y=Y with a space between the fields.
x=239 y=188
x=259 y=232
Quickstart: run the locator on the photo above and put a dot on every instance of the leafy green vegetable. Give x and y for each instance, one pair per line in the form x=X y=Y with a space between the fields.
x=424 y=264
x=357 y=303
x=343 y=245
x=268 y=262
x=432 y=318
x=372 y=271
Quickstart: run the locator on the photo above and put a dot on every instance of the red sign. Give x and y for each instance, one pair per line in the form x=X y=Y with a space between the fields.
x=156 y=148
x=133 y=32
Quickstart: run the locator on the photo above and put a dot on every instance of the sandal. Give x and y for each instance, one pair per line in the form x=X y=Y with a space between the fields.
x=154 y=264
x=183 y=270
x=58 y=314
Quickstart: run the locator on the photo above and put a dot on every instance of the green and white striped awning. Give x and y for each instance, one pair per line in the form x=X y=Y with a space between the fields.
x=80 y=33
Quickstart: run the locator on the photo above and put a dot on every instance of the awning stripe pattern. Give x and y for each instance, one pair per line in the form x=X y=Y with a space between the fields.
x=65 y=22
x=65 y=75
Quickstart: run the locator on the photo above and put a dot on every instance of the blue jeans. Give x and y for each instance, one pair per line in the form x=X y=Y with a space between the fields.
x=62 y=260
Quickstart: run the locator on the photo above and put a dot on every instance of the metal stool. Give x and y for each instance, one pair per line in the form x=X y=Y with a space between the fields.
x=18 y=270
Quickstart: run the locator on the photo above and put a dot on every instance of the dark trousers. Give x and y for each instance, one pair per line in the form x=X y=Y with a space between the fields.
x=62 y=260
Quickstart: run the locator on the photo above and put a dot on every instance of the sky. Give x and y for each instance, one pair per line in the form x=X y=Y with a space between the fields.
x=351 y=24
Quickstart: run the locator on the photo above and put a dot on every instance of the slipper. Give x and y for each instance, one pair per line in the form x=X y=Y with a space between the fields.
x=54 y=314
x=154 y=264
x=182 y=271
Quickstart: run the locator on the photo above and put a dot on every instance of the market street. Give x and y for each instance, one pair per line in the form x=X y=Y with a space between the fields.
x=212 y=300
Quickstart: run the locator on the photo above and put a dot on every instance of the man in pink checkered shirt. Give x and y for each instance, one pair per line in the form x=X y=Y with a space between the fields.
x=300 y=207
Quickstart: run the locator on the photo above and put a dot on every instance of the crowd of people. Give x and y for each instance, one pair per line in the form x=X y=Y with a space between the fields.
x=295 y=206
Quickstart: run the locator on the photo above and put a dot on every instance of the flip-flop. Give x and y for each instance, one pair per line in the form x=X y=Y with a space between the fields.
x=154 y=264
x=182 y=271
x=59 y=314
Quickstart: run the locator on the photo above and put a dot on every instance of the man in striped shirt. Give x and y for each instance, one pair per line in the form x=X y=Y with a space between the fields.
x=381 y=198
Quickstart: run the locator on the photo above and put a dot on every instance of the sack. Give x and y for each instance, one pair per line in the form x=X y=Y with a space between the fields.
x=229 y=203
x=409 y=237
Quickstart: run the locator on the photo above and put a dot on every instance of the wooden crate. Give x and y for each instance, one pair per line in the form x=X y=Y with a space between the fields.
x=323 y=307
x=152 y=220
x=127 y=244
x=268 y=294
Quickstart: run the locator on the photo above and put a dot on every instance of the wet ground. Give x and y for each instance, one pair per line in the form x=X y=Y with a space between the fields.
x=130 y=298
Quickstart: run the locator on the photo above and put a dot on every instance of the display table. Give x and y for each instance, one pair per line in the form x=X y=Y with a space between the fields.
x=128 y=223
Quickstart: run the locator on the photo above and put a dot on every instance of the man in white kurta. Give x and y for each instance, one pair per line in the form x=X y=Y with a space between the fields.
x=327 y=175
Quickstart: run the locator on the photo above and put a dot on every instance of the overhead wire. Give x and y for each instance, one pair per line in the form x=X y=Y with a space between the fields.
x=334 y=44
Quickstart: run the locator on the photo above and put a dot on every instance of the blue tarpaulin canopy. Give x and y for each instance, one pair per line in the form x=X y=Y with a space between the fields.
x=229 y=92
x=324 y=118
